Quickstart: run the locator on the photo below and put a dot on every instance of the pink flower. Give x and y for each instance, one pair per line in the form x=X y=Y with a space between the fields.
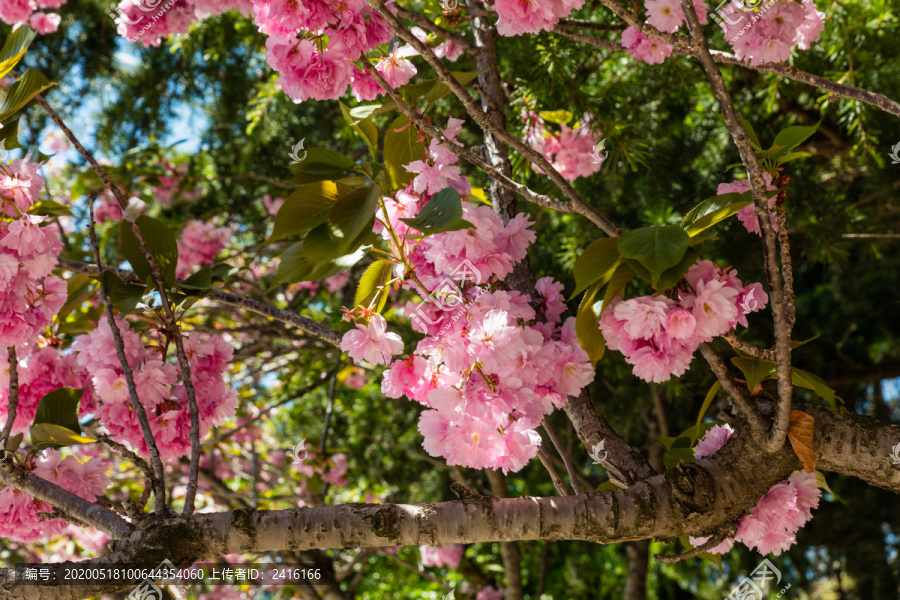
x=747 y=215
x=771 y=526
x=371 y=342
x=713 y=441
x=396 y=70
x=680 y=324
x=364 y=86
x=490 y=593
x=44 y=23
x=668 y=16
x=552 y=301
x=442 y=556
x=200 y=243
x=644 y=48
x=16 y=11
x=272 y=205
x=305 y=72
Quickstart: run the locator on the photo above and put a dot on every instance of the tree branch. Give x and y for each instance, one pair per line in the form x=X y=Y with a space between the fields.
x=13 y=404
x=778 y=433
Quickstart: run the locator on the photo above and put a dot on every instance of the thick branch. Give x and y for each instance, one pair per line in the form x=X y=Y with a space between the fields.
x=13 y=402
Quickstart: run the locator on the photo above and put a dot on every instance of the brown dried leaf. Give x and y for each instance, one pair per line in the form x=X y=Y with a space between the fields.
x=800 y=433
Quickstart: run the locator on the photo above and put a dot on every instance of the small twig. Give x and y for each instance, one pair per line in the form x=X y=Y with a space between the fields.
x=413 y=568
x=567 y=461
x=554 y=476
x=738 y=395
x=158 y=479
x=887 y=236
x=716 y=539
x=747 y=348
x=13 y=404
x=332 y=336
x=425 y=23
x=579 y=24
x=139 y=462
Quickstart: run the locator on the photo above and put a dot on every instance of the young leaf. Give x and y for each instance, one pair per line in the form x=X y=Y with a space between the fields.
x=60 y=407
x=401 y=147
x=442 y=213
x=294 y=266
x=54 y=436
x=813 y=382
x=124 y=296
x=800 y=434
x=587 y=326
x=363 y=127
x=713 y=210
x=754 y=369
x=791 y=137
x=754 y=140
x=162 y=245
x=352 y=215
x=656 y=248
x=671 y=276
x=305 y=208
x=596 y=260
x=620 y=278
x=22 y=91
x=14 y=49
x=372 y=282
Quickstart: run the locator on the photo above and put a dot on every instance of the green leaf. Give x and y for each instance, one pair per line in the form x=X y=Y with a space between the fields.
x=597 y=259
x=607 y=486
x=9 y=135
x=363 y=127
x=791 y=156
x=813 y=382
x=22 y=91
x=54 y=436
x=162 y=245
x=13 y=443
x=440 y=89
x=710 y=395
x=306 y=208
x=680 y=451
x=754 y=140
x=754 y=369
x=60 y=407
x=49 y=208
x=200 y=281
x=294 y=266
x=656 y=248
x=442 y=213
x=401 y=147
x=124 y=296
x=372 y=283
x=14 y=49
x=363 y=111
x=620 y=278
x=791 y=137
x=715 y=209
x=348 y=218
x=671 y=276
x=822 y=484
x=587 y=326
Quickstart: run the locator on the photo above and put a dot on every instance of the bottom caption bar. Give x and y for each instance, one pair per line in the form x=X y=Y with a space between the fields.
x=166 y=573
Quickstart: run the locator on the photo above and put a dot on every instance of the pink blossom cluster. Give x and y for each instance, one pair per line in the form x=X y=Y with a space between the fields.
x=438 y=171
x=490 y=593
x=668 y=17
x=770 y=32
x=488 y=369
x=320 y=66
x=659 y=335
x=771 y=526
x=174 y=186
x=39 y=374
x=26 y=12
x=199 y=244
x=532 y=16
x=29 y=295
x=159 y=387
x=148 y=21
x=20 y=513
x=570 y=150
x=747 y=215
x=442 y=556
